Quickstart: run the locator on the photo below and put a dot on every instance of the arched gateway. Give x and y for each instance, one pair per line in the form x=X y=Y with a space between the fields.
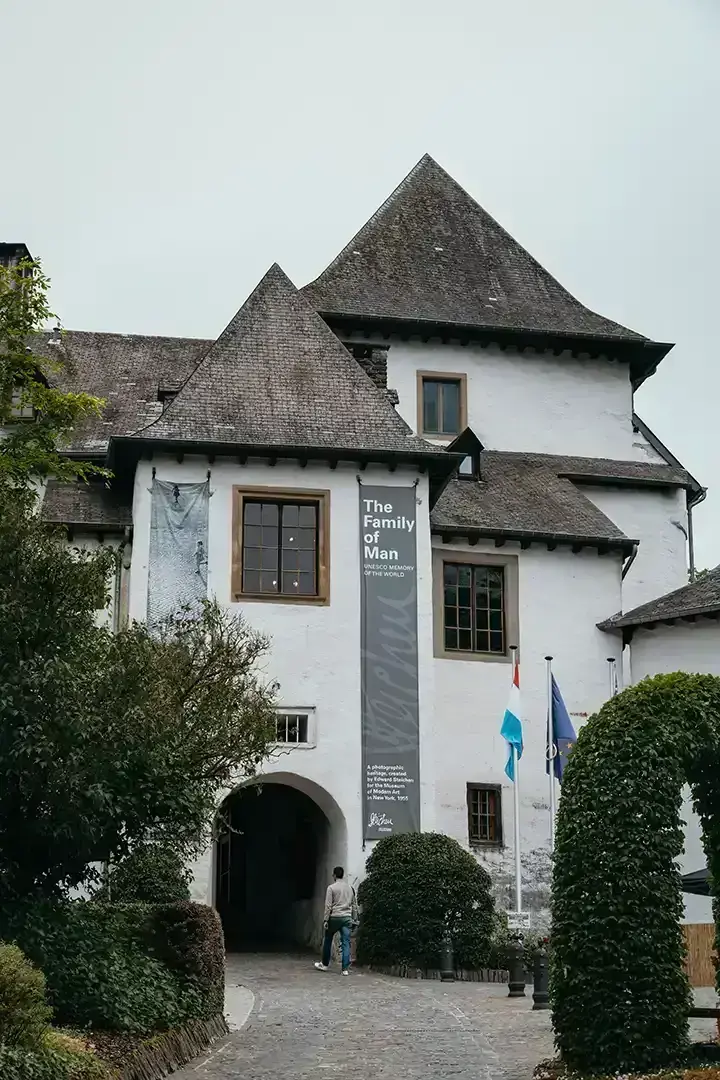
x=279 y=837
x=620 y=995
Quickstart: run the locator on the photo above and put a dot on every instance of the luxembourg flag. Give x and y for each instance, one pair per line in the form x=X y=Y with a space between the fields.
x=511 y=727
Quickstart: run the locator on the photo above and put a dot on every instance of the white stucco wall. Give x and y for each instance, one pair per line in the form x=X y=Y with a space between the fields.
x=658 y=519
x=691 y=647
x=87 y=541
x=561 y=596
x=539 y=404
x=315 y=652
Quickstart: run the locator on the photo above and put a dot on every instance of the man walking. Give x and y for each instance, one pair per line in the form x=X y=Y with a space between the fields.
x=341 y=914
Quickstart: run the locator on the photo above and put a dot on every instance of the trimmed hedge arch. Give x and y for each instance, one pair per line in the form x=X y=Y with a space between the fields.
x=620 y=996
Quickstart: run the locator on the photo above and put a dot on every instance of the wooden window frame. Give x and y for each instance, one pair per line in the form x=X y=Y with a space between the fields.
x=293 y=495
x=475 y=842
x=460 y=556
x=441 y=376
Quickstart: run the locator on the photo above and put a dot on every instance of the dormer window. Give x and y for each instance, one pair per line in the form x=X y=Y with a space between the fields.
x=468 y=469
x=20 y=407
x=471 y=448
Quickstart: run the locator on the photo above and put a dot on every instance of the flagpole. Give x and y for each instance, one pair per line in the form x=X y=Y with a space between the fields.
x=516 y=808
x=551 y=749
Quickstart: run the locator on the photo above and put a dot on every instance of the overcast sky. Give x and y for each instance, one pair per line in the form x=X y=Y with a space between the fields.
x=160 y=155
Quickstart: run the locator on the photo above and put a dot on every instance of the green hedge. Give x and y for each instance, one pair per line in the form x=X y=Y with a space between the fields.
x=619 y=994
x=54 y=1059
x=24 y=1012
x=128 y=968
x=416 y=885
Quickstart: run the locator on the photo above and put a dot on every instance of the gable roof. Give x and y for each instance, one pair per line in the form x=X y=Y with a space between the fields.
x=431 y=255
x=523 y=497
x=694 y=486
x=700 y=597
x=278 y=377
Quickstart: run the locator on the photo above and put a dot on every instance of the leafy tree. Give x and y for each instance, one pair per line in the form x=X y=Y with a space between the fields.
x=110 y=741
x=35 y=417
x=153 y=873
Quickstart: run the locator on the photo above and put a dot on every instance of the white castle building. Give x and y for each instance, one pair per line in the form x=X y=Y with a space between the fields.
x=426 y=456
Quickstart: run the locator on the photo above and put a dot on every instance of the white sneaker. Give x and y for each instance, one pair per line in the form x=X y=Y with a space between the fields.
x=344 y=972
x=320 y=967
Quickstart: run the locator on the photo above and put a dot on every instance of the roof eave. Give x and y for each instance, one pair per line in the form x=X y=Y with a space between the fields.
x=597 y=480
x=526 y=537
x=642 y=354
x=625 y=623
x=440 y=465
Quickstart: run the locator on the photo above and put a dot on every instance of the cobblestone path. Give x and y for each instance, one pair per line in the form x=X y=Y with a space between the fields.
x=371 y=1027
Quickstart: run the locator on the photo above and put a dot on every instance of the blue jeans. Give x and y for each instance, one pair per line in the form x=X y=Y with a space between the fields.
x=334 y=927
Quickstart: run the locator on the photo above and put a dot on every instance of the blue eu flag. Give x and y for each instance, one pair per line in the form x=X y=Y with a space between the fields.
x=562 y=738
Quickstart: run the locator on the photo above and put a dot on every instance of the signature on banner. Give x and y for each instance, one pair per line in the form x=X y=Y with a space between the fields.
x=379 y=820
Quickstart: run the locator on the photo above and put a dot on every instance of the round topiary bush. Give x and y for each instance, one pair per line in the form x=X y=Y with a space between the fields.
x=24 y=1013
x=151 y=874
x=418 y=884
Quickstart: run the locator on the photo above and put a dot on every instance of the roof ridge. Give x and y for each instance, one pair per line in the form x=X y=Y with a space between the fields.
x=278 y=376
x=433 y=253
x=234 y=322
x=424 y=160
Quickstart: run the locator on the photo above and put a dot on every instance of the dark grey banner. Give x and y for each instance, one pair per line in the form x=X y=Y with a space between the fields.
x=389 y=661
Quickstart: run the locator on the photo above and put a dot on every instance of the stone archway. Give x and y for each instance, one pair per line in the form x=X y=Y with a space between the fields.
x=279 y=836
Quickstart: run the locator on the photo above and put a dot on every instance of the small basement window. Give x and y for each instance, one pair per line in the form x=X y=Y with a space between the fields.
x=293 y=728
x=484 y=804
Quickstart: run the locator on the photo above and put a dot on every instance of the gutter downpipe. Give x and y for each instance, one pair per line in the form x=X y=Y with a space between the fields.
x=117 y=597
x=629 y=561
x=691 y=535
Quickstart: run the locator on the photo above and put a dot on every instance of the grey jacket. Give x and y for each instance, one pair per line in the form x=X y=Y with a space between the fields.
x=340 y=902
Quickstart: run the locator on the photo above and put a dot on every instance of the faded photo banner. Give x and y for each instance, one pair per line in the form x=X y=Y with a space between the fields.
x=177 y=570
x=389 y=661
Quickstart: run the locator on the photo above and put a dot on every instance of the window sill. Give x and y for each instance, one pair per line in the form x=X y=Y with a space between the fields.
x=434 y=436
x=277 y=598
x=485 y=845
x=474 y=657
x=293 y=745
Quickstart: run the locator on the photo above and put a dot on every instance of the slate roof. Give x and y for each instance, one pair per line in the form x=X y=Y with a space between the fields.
x=610 y=471
x=125 y=370
x=278 y=377
x=431 y=254
x=524 y=499
x=698 y=598
x=90 y=504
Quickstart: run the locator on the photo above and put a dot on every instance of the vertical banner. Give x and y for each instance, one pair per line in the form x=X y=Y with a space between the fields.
x=389 y=661
x=177 y=569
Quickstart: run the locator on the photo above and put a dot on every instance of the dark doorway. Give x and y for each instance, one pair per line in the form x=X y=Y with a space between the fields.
x=270 y=867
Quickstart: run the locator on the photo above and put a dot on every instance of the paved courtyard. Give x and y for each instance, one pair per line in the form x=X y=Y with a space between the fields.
x=305 y=1023
x=300 y=1023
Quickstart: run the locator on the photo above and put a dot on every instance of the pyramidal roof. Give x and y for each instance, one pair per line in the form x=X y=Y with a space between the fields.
x=278 y=377
x=432 y=254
